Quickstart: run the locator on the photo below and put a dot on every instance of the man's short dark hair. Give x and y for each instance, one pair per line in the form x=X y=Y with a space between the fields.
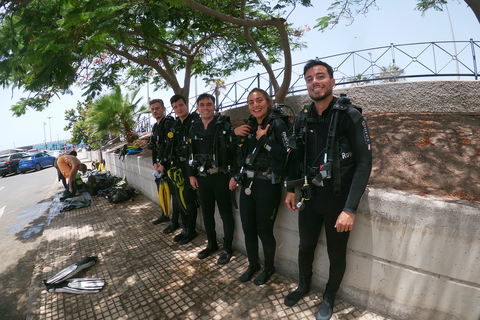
x=177 y=97
x=205 y=96
x=312 y=63
x=73 y=153
x=155 y=101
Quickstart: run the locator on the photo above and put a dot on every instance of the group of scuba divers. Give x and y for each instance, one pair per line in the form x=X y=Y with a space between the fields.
x=327 y=154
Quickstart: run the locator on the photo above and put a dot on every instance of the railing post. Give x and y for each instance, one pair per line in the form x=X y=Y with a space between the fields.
x=392 y=48
x=475 y=71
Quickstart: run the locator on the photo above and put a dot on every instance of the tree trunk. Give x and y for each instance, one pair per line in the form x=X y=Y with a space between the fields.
x=475 y=6
x=130 y=134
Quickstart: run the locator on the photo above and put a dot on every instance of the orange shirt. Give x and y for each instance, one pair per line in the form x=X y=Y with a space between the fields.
x=65 y=163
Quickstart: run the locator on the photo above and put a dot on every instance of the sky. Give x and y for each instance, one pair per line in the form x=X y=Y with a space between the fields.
x=394 y=22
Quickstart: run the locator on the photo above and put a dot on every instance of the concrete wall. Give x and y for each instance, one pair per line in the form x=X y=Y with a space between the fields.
x=413 y=96
x=409 y=257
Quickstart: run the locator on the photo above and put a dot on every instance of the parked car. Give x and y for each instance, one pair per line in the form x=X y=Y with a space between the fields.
x=35 y=161
x=9 y=163
x=55 y=153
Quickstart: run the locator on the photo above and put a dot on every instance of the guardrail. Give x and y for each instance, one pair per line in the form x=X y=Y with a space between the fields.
x=412 y=61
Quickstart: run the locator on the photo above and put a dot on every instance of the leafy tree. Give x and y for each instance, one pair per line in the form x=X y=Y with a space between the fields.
x=114 y=114
x=390 y=73
x=359 y=79
x=47 y=46
x=348 y=9
x=80 y=130
x=253 y=24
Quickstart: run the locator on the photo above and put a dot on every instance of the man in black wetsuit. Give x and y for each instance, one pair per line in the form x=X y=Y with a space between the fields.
x=334 y=154
x=211 y=157
x=178 y=153
x=158 y=144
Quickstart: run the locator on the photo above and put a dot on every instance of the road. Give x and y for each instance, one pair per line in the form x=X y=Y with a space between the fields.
x=24 y=202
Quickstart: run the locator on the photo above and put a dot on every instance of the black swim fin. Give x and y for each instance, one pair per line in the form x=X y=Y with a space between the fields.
x=77 y=285
x=70 y=271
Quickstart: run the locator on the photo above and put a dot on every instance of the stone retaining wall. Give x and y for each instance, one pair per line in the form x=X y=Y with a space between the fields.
x=409 y=257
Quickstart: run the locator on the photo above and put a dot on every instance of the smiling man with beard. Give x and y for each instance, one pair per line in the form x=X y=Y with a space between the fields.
x=334 y=155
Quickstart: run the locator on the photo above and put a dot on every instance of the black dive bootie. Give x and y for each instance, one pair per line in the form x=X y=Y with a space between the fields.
x=326 y=309
x=264 y=276
x=163 y=218
x=170 y=228
x=179 y=236
x=247 y=275
x=303 y=289
x=212 y=246
x=188 y=237
x=226 y=253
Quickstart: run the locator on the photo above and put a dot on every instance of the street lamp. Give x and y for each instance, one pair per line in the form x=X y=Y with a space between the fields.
x=371 y=63
x=50 y=126
x=454 y=45
x=44 y=135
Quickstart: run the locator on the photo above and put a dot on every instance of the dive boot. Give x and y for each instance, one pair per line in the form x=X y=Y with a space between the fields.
x=226 y=253
x=326 y=309
x=303 y=289
x=188 y=237
x=163 y=218
x=211 y=247
x=264 y=276
x=170 y=228
x=179 y=236
x=247 y=275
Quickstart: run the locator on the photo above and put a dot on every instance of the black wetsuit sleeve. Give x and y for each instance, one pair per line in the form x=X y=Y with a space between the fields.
x=153 y=143
x=232 y=151
x=169 y=145
x=294 y=172
x=154 y=155
x=277 y=149
x=167 y=148
x=359 y=138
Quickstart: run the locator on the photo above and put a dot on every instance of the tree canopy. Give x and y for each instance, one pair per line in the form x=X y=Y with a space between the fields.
x=80 y=130
x=47 y=46
x=114 y=114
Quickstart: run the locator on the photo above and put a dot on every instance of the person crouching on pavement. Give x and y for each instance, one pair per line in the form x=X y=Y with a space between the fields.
x=69 y=165
x=212 y=154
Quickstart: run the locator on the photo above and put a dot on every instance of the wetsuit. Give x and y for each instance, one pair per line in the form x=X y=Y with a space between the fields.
x=187 y=196
x=325 y=205
x=158 y=143
x=212 y=155
x=261 y=187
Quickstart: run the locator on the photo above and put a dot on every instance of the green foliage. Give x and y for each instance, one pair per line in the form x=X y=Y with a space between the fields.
x=424 y=5
x=80 y=130
x=47 y=46
x=114 y=113
x=390 y=73
x=359 y=79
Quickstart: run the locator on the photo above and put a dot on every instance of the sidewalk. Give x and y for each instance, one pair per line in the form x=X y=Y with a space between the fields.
x=149 y=276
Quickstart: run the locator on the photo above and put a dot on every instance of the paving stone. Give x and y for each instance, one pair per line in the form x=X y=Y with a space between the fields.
x=149 y=276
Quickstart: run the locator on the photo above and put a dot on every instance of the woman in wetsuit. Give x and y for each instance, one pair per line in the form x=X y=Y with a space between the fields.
x=262 y=155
